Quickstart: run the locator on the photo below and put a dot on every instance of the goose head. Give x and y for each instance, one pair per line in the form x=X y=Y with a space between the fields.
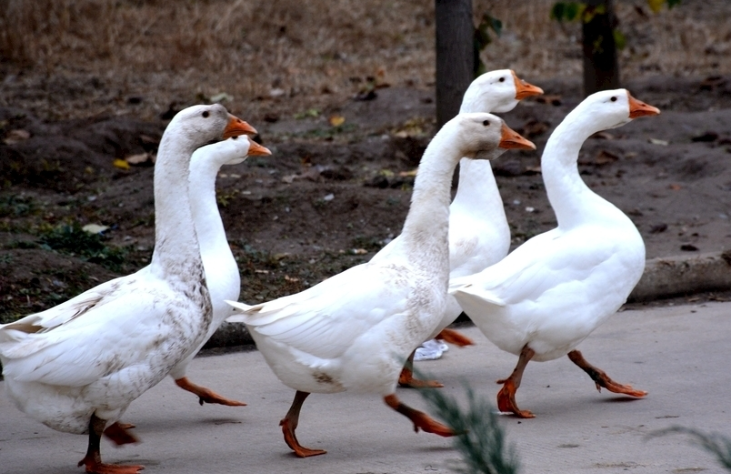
x=497 y=91
x=206 y=123
x=232 y=151
x=613 y=108
x=480 y=135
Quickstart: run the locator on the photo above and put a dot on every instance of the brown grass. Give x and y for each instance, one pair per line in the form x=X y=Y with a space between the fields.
x=80 y=57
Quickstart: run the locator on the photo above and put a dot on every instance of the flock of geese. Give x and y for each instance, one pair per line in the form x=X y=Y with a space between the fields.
x=76 y=367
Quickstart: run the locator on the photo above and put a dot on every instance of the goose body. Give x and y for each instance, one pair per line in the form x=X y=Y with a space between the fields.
x=479 y=235
x=221 y=270
x=354 y=330
x=548 y=295
x=78 y=366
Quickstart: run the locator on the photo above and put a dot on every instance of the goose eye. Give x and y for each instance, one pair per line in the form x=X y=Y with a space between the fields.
x=235 y=138
x=613 y=99
x=206 y=114
x=486 y=123
x=502 y=79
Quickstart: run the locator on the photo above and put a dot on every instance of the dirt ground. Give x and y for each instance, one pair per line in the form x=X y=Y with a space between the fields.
x=330 y=197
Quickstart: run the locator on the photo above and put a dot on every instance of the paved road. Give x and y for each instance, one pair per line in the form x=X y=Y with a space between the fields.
x=679 y=354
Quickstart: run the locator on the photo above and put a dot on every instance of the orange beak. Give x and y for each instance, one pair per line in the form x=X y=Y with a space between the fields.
x=637 y=108
x=257 y=150
x=236 y=127
x=523 y=89
x=510 y=139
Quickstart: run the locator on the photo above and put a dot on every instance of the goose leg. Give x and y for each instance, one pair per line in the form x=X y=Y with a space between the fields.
x=454 y=337
x=92 y=462
x=601 y=379
x=289 y=425
x=206 y=395
x=506 y=396
x=420 y=419
x=407 y=380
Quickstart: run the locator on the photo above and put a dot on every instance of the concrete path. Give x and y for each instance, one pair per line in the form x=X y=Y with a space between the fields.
x=679 y=354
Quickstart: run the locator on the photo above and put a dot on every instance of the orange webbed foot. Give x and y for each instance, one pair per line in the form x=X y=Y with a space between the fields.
x=506 y=400
x=406 y=379
x=454 y=337
x=118 y=434
x=206 y=395
x=291 y=440
x=97 y=467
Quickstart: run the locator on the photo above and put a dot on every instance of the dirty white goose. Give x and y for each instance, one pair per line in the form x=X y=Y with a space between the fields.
x=222 y=272
x=77 y=367
x=547 y=296
x=479 y=235
x=353 y=331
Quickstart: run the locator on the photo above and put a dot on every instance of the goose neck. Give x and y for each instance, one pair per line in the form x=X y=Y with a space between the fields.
x=571 y=199
x=176 y=244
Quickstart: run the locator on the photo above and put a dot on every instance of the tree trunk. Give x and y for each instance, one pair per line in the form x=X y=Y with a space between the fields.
x=601 y=70
x=455 y=55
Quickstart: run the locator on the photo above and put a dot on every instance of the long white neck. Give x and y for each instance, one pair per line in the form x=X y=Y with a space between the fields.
x=176 y=244
x=218 y=260
x=571 y=199
x=427 y=223
x=477 y=191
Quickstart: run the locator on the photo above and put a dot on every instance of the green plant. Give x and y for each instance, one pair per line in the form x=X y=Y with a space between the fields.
x=481 y=443
x=483 y=38
x=73 y=240
x=715 y=443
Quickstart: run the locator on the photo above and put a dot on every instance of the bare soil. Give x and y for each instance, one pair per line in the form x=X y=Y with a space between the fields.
x=86 y=82
x=330 y=197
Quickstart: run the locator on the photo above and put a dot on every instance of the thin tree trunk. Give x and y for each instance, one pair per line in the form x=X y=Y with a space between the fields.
x=455 y=55
x=601 y=69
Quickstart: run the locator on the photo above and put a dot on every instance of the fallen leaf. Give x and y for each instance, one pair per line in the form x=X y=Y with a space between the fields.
x=263 y=272
x=337 y=120
x=408 y=174
x=221 y=97
x=359 y=251
x=657 y=141
x=603 y=136
x=289 y=179
x=16 y=136
x=657 y=228
x=675 y=187
x=121 y=164
x=291 y=279
x=139 y=158
x=604 y=158
x=94 y=228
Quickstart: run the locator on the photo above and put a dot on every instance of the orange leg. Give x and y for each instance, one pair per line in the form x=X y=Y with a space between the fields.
x=601 y=379
x=454 y=337
x=506 y=396
x=407 y=380
x=420 y=419
x=206 y=395
x=92 y=462
x=289 y=425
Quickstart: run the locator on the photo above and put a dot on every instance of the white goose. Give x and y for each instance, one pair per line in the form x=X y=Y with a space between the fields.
x=222 y=272
x=479 y=235
x=353 y=331
x=77 y=367
x=548 y=295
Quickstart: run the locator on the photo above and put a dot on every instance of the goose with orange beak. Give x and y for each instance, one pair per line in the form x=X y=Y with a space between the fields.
x=353 y=331
x=549 y=294
x=76 y=367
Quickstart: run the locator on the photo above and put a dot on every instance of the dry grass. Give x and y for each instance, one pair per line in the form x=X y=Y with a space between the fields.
x=80 y=57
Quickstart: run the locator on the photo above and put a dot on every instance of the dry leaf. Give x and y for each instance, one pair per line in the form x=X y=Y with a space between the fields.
x=359 y=251
x=408 y=174
x=121 y=164
x=16 y=136
x=675 y=187
x=605 y=158
x=337 y=120
x=657 y=141
x=94 y=228
x=138 y=159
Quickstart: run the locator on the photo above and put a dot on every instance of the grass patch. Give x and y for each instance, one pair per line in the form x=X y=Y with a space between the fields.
x=72 y=240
